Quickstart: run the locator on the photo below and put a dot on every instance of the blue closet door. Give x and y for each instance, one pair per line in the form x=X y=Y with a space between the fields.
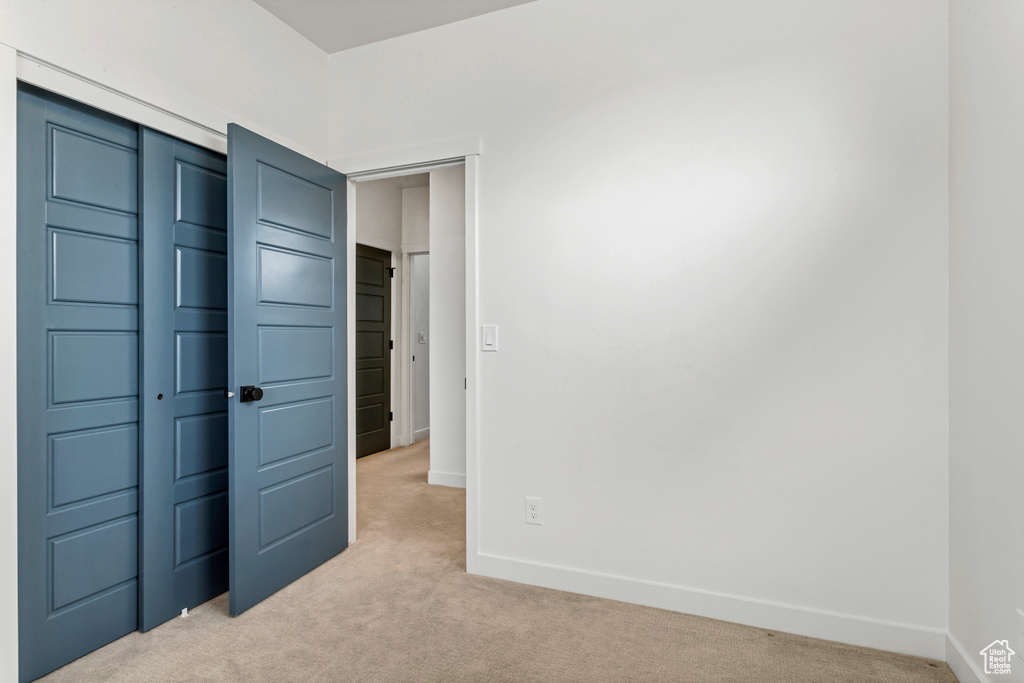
x=78 y=380
x=288 y=438
x=184 y=373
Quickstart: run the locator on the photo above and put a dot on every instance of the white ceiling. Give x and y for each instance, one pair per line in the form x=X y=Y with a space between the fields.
x=335 y=25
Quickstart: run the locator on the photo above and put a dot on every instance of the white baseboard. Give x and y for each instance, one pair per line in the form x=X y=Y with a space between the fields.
x=843 y=628
x=446 y=479
x=964 y=666
x=421 y=434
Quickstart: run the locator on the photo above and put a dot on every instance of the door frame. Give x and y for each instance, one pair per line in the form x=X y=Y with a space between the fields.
x=406 y=161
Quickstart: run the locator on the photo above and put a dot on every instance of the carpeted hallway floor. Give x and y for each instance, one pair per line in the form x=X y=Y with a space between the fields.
x=398 y=606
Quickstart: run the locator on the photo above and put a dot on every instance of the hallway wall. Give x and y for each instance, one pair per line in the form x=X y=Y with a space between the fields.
x=447 y=209
x=421 y=346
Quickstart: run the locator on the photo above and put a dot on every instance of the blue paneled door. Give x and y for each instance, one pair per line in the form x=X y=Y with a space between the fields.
x=287 y=344
x=78 y=380
x=184 y=539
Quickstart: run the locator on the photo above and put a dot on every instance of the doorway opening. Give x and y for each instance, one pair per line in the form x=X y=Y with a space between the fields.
x=418 y=214
x=391 y=223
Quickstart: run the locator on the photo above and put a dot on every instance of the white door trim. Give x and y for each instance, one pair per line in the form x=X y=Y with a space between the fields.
x=417 y=159
x=137 y=110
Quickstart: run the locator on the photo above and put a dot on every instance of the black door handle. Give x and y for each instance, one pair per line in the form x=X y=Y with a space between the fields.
x=251 y=393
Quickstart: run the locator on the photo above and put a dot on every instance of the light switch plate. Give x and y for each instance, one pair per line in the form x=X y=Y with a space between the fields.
x=489 y=338
x=423 y=337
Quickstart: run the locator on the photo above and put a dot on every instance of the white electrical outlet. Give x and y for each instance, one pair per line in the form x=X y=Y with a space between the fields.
x=533 y=511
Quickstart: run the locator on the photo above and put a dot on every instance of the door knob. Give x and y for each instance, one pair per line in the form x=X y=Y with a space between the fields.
x=251 y=393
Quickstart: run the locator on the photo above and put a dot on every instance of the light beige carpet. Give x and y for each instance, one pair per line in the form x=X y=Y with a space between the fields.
x=398 y=606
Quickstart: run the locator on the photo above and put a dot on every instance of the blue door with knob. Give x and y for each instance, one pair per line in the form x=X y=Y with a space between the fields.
x=287 y=344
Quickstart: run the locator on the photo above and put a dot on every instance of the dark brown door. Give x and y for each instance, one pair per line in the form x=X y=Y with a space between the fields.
x=373 y=350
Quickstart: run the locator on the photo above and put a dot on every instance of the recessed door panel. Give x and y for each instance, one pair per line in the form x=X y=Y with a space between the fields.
x=199 y=527
x=94 y=366
x=370 y=345
x=289 y=354
x=93 y=170
x=200 y=360
x=295 y=279
x=369 y=382
x=93 y=560
x=369 y=420
x=202 y=196
x=369 y=307
x=93 y=463
x=94 y=269
x=288 y=201
x=200 y=444
x=294 y=505
x=288 y=443
x=370 y=269
x=202 y=278
x=290 y=430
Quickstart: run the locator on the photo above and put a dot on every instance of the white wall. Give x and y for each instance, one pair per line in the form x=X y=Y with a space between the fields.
x=714 y=236
x=448 y=327
x=986 y=327
x=379 y=224
x=416 y=218
x=213 y=62
x=379 y=214
x=421 y=345
x=415 y=240
x=190 y=65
